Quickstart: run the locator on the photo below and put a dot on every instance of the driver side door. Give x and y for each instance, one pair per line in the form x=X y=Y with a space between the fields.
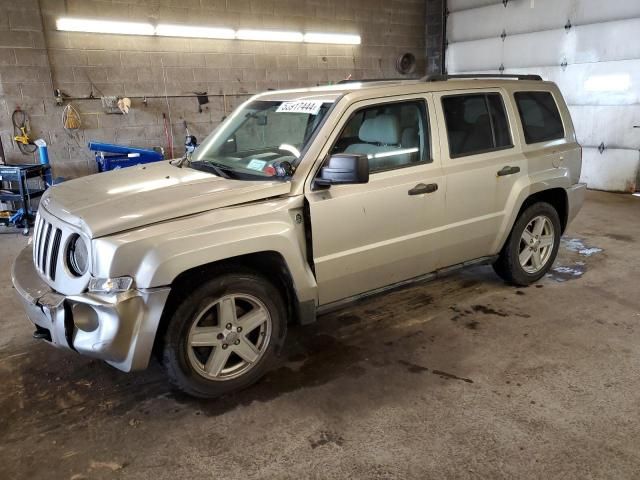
x=368 y=236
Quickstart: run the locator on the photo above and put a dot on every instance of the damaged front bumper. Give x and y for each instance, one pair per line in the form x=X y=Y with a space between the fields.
x=118 y=328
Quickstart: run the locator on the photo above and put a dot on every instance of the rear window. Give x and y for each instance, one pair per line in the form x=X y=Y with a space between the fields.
x=476 y=123
x=540 y=116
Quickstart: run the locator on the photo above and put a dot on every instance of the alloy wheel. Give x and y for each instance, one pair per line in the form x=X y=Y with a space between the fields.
x=536 y=244
x=229 y=336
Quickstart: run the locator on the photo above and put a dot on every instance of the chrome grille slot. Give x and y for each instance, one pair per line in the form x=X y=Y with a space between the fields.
x=36 y=240
x=36 y=226
x=45 y=250
x=43 y=228
x=55 y=248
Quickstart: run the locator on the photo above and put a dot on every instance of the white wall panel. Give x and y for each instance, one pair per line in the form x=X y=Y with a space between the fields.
x=618 y=40
x=473 y=56
x=614 y=170
x=597 y=11
x=534 y=49
x=490 y=19
x=604 y=83
x=612 y=125
x=596 y=64
x=517 y=17
x=457 y=5
x=476 y=23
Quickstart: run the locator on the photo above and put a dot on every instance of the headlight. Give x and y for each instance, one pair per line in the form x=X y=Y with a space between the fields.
x=110 y=285
x=77 y=256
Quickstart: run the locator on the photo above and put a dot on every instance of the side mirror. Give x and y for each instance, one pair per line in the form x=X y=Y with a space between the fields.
x=344 y=168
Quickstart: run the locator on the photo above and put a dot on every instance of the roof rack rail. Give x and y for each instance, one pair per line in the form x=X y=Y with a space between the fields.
x=446 y=76
x=369 y=80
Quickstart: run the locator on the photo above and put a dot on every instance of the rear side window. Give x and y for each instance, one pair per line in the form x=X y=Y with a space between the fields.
x=540 y=116
x=476 y=123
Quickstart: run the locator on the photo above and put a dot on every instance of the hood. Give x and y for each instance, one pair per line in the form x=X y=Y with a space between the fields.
x=111 y=202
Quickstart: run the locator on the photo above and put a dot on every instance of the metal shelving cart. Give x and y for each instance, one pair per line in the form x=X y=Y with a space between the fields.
x=17 y=187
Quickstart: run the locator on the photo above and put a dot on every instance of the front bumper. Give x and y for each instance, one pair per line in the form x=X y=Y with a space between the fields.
x=575 y=199
x=119 y=329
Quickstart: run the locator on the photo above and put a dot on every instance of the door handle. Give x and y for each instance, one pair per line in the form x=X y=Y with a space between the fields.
x=508 y=171
x=423 y=188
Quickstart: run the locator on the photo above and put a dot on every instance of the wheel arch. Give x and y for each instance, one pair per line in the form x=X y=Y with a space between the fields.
x=556 y=197
x=270 y=264
x=549 y=192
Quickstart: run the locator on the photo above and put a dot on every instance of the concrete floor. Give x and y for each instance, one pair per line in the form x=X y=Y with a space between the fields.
x=464 y=377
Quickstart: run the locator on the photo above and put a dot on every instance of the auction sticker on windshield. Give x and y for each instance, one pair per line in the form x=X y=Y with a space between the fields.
x=256 y=164
x=312 y=107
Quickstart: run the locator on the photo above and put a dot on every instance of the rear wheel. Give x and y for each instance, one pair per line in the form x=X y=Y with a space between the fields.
x=532 y=246
x=225 y=335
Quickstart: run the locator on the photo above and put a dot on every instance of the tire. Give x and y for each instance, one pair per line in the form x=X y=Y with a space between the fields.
x=199 y=330
x=509 y=266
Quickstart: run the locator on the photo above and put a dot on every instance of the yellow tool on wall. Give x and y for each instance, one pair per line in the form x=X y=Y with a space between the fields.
x=21 y=132
x=23 y=138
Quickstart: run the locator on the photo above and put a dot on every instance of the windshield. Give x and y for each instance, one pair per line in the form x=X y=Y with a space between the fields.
x=261 y=140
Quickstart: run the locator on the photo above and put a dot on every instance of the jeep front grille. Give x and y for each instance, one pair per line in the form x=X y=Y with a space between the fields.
x=46 y=247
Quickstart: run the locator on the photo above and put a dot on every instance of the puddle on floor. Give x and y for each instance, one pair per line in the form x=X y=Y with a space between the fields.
x=576 y=269
x=577 y=245
x=563 y=273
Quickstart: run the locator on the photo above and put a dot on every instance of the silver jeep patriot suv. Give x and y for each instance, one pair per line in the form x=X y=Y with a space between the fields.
x=299 y=202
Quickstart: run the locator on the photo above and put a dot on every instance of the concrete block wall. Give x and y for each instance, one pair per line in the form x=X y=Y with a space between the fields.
x=35 y=58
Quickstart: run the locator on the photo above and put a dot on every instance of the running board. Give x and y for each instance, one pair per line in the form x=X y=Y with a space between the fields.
x=330 y=307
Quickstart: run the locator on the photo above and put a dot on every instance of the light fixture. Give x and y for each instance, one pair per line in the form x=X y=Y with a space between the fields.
x=104 y=26
x=191 y=31
x=165 y=30
x=269 y=35
x=338 y=38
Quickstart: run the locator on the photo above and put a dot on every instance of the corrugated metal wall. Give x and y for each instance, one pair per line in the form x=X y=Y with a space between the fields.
x=590 y=48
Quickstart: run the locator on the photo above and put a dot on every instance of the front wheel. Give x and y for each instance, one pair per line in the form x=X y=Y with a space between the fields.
x=225 y=335
x=532 y=246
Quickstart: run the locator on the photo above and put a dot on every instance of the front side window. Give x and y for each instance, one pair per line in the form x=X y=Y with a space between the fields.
x=260 y=137
x=391 y=135
x=540 y=117
x=476 y=123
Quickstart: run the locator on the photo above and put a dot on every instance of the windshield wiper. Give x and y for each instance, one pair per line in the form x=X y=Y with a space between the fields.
x=216 y=168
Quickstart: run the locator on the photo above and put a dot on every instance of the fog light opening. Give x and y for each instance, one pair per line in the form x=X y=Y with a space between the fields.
x=85 y=317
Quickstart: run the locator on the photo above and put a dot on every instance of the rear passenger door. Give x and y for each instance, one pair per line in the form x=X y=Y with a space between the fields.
x=482 y=165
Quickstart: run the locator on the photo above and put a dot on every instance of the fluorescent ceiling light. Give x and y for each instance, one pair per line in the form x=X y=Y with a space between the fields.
x=188 y=31
x=165 y=30
x=104 y=26
x=343 y=39
x=269 y=36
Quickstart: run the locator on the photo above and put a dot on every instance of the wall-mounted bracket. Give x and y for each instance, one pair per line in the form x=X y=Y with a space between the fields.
x=568 y=25
x=501 y=69
x=503 y=35
x=601 y=148
x=564 y=63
